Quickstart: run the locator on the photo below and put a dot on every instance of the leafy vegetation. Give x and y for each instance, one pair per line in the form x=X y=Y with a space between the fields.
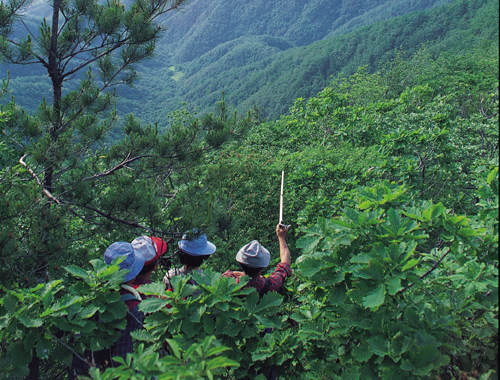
x=391 y=190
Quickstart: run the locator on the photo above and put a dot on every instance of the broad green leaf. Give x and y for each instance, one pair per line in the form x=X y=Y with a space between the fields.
x=143 y=335
x=88 y=312
x=310 y=267
x=492 y=175
x=362 y=352
x=197 y=314
x=10 y=303
x=375 y=298
x=216 y=350
x=43 y=346
x=18 y=355
x=394 y=285
x=175 y=348
x=410 y=264
x=394 y=220
x=351 y=373
x=379 y=346
x=29 y=321
x=271 y=299
x=308 y=243
x=77 y=272
x=221 y=362
x=153 y=304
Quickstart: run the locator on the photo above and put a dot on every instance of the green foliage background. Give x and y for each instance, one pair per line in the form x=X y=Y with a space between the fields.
x=392 y=193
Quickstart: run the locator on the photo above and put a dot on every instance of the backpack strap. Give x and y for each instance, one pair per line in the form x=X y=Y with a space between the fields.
x=127 y=297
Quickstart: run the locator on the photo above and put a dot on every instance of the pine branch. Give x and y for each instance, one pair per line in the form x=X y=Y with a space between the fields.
x=121 y=165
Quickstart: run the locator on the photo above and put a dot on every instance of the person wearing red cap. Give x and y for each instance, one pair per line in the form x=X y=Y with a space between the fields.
x=152 y=249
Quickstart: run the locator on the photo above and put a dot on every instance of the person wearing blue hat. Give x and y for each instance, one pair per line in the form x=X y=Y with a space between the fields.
x=132 y=262
x=194 y=248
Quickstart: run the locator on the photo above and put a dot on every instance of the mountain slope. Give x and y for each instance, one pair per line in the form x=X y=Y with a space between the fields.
x=274 y=81
x=204 y=24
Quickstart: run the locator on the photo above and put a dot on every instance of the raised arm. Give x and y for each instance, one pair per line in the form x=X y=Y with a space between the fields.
x=281 y=232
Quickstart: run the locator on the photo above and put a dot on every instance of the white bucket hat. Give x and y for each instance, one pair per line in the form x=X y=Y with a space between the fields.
x=253 y=255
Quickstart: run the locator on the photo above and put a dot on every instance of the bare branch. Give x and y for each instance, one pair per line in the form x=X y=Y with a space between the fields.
x=428 y=272
x=172 y=198
x=121 y=165
x=19 y=145
x=29 y=31
x=68 y=347
x=44 y=190
x=115 y=219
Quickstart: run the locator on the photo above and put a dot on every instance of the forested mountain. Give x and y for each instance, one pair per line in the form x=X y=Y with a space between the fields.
x=265 y=71
x=209 y=47
x=211 y=23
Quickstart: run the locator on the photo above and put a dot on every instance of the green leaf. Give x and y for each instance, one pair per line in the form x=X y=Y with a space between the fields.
x=492 y=175
x=375 y=298
x=309 y=267
x=351 y=373
x=271 y=299
x=308 y=243
x=379 y=346
x=19 y=356
x=410 y=264
x=221 y=362
x=197 y=314
x=30 y=322
x=10 y=302
x=216 y=350
x=175 y=348
x=152 y=305
x=394 y=219
x=143 y=335
x=362 y=353
x=394 y=285
x=88 y=312
x=77 y=272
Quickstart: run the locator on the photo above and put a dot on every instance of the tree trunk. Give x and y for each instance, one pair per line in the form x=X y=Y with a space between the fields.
x=56 y=77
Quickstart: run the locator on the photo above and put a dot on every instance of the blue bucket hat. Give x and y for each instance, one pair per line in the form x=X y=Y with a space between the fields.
x=133 y=259
x=198 y=246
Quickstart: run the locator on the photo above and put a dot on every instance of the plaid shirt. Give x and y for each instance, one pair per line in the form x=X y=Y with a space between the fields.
x=275 y=280
x=135 y=319
x=125 y=343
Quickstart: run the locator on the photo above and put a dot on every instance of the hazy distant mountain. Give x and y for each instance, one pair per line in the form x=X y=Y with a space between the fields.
x=205 y=24
x=268 y=52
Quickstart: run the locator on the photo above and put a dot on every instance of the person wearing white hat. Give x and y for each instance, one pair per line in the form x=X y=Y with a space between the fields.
x=253 y=258
x=152 y=248
x=194 y=248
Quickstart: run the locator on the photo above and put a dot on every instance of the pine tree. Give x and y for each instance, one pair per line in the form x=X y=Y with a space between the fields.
x=70 y=184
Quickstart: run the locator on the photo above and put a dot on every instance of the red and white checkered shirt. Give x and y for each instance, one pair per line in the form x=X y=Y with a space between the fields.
x=275 y=280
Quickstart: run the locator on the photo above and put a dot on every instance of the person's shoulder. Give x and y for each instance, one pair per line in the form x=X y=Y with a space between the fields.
x=173 y=272
x=228 y=273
